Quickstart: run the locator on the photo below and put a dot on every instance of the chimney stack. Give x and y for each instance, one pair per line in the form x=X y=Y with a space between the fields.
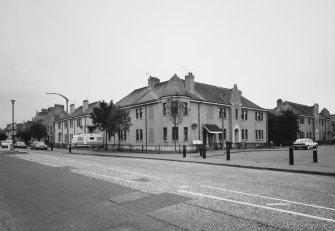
x=189 y=82
x=85 y=105
x=72 y=109
x=152 y=81
x=280 y=104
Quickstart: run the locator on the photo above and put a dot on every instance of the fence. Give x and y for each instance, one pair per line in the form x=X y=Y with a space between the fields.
x=142 y=148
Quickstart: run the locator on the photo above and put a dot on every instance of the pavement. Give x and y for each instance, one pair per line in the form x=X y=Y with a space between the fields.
x=265 y=159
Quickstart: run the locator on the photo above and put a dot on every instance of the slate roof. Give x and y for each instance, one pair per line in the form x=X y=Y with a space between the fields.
x=79 y=111
x=301 y=109
x=176 y=86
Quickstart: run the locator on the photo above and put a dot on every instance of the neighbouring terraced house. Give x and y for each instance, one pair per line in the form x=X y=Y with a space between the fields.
x=78 y=121
x=312 y=123
x=205 y=105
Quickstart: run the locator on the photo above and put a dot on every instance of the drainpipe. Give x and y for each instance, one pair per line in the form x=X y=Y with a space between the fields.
x=199 y=121
x=146 y=128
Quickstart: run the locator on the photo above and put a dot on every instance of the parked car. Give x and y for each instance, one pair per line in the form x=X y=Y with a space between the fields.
x=304 y=144
x=38 y=145
x=20 y=144
x=5 y=144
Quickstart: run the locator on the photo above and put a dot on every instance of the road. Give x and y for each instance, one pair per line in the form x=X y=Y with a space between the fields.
x=44 y=191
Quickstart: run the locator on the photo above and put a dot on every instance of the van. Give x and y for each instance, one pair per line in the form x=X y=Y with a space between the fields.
x=87 y=140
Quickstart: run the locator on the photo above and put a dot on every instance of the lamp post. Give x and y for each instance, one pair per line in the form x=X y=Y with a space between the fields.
x=67 y=113
x=13 y=101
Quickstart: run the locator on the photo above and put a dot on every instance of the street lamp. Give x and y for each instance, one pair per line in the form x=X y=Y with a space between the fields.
x=67 y=112
x=13 y=101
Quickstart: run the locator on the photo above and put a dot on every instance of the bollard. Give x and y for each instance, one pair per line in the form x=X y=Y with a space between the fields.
x=200 y=148
x=228 y=153
x=184 y=151
x=70 y=148
x=291 y=156
x=315 y=154
x=52 y=146
x=204 y=152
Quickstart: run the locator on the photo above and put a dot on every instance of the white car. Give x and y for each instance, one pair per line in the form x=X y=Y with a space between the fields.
x=5 y=144
x=304 y=144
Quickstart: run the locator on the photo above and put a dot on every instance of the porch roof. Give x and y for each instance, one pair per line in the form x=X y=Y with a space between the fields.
x=212 y=128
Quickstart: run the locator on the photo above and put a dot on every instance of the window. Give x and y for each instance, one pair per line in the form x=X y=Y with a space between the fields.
x=259 y=134
x=59 y=125
x=139 y=134
x=321 y=122
x=175 y=133
x=224 y=113
x=174 y=110
x=71 y=123
x=65 y=124
x=71 y=137
x=236 y=113
x=224 y=135
x=164 y=108
x=302 y=120
x=185 y=108
x=139 y=113
x=309 y=121
x=244 y=134
x=124 y=135
x=259 y=116
x=244 y=115
x=185 y=133
x=78 y=122
x=165 y=134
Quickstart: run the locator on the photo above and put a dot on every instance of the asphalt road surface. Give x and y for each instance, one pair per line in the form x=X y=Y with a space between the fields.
x=44 y=191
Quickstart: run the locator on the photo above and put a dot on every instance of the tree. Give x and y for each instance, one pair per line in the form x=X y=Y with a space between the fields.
x=3 y=136
x=38 y=130
x=283 y=128
x=176 y=111
x=24 y=134
x=110 y=118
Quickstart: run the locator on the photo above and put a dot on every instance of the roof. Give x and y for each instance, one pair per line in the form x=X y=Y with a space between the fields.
x=79 y=111
x=301 y=109
x=176 y=86
x=212 y=128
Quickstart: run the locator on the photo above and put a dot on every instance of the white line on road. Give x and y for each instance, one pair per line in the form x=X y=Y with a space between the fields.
x=135 y=173
x=275 y=204
x=258 y=206
x=115 y=178
x=272 y=198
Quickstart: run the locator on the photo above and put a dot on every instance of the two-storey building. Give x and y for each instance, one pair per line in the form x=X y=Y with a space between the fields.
x=77 y=122
x=312 y=123
x=211 y=112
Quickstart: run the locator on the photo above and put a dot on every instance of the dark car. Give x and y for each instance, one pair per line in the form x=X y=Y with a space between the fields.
x=20 y=144
x=38 y=145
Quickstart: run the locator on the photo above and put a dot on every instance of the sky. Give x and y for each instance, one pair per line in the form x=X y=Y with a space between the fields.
x=104 y=49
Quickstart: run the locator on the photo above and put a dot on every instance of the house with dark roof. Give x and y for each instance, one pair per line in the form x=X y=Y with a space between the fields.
x=212 y=114
x=77 y=122
x=46 y=117
x=312 y=123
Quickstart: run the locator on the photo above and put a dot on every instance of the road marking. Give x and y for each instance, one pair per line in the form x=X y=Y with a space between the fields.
x=135 y=173
x=258 y=206
x=274 y=204
x=115 y=178
x=272 y=198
